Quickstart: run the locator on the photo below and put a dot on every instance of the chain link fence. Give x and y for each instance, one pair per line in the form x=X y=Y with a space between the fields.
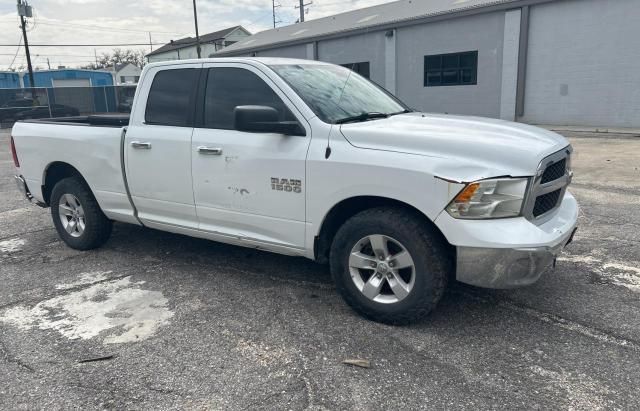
x=29 y=103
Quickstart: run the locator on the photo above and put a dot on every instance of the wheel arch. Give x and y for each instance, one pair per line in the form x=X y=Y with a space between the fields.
x=349 y=207
x=53 y=173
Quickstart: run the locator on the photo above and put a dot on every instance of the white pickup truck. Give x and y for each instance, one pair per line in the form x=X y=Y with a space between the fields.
x=309 y=159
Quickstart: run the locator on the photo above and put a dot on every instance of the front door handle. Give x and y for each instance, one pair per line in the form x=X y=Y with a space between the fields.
x=210 y=151
x=141 y=145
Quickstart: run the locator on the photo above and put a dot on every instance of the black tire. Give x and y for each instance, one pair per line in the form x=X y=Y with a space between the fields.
x=97 y=226
x=431 y=255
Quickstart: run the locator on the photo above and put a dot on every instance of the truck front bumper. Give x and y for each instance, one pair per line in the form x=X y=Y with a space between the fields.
x=511 y=252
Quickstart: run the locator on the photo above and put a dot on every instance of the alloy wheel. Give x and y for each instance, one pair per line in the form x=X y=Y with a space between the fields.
x=72 y=215
x=382 y=269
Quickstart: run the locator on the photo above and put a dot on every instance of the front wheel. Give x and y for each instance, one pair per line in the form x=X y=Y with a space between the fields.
x=389 y=265
x=78 y=219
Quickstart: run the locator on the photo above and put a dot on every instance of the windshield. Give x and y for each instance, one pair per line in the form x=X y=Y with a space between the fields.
x=321 y=87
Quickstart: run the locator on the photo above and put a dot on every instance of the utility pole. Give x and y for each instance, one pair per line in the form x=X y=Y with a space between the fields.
x=302 y=10
x=24 y=10
x=195 y=19
x=273 y=9
x=48 y=64
x=150 y=43
x=273 y=6
x=95 y=53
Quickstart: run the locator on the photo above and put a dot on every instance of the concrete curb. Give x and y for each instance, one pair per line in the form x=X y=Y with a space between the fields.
x=586 y=129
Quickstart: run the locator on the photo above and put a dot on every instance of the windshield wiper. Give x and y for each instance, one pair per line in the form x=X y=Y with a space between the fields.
x=405 y=111
x=362 y=117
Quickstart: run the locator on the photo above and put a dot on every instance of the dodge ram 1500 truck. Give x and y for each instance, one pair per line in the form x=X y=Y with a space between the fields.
x=310 y=159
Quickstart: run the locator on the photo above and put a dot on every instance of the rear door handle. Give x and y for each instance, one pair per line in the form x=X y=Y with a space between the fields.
x=141 y=145
x=210 y=151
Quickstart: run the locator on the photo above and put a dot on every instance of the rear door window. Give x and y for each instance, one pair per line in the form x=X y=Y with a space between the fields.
x=171 y=97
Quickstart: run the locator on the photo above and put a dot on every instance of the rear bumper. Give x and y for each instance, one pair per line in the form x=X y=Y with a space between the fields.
x=21 y=183
x=511 y=252
x=22 y=187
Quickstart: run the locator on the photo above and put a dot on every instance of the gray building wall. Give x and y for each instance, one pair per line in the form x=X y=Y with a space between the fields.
x=480 y=32
x=584 y=64
x=355 y=49
x=299 y=51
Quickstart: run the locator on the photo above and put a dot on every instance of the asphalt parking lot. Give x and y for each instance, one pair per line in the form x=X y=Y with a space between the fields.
x=156 y=320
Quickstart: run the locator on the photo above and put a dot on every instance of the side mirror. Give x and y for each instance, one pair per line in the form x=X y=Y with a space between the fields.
x=264 y=119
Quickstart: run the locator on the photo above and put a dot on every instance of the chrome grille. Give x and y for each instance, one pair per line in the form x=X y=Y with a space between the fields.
x=546 y=203
x=554 y=171
x=547 y=189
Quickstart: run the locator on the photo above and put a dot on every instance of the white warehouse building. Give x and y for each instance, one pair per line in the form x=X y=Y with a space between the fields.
x=554 y=62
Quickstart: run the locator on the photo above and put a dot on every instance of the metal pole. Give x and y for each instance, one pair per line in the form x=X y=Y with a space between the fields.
x=195 y=19
x=301 y=11
x=26 y=46
x=116 y=96
x=48 y=102
x=273 y=9
x=523 y=46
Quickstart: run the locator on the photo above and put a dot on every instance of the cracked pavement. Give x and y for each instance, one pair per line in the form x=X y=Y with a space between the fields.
x=172 y=322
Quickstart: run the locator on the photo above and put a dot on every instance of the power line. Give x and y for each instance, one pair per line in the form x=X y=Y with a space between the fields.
x=102 y=28
x=354 y=4
x=17 y=51
x=83 y=45
x=67 y=24
x=53 y=55
x=261 y=17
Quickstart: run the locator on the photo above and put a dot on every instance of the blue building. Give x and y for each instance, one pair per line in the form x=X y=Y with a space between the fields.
x=69 y=78
x=9 y=79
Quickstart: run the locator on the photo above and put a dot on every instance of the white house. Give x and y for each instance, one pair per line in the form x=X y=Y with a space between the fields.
x=126 y=74
x=209 y=43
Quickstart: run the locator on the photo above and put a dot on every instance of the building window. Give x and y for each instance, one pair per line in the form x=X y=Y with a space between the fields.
x=360 y=68
x=453 y=69
x=122 y=79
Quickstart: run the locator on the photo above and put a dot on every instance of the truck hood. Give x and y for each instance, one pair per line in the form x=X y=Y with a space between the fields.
x=474 y=147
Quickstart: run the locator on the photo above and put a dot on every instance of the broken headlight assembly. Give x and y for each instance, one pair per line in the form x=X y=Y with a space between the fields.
x=491 y=198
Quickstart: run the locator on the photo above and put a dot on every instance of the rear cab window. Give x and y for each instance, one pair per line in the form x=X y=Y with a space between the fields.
x=172 y=97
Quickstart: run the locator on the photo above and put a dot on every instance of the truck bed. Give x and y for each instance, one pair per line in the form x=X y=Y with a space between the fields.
x=92 y=145
x=98 y=120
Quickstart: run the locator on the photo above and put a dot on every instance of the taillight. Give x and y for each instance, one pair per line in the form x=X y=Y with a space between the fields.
x=14 y=154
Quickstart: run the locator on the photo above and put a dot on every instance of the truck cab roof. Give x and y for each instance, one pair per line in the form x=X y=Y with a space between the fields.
x=267 y=61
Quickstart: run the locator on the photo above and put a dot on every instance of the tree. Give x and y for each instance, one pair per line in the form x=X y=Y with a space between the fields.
x=118 y=56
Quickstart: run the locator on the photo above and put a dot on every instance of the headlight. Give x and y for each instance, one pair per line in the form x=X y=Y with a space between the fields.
x=494 y=198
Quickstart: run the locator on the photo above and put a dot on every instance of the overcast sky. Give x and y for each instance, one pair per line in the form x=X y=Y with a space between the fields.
x=126 y=21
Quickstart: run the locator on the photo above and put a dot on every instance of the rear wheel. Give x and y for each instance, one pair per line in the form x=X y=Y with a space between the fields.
x=389 y=265
x=78 y=219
